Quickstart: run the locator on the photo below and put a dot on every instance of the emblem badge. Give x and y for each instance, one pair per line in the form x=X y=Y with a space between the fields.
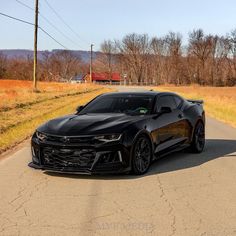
x=65 y=140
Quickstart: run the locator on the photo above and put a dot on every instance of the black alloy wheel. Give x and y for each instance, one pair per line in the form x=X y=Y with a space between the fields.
x=198 y=141
x=141 y=155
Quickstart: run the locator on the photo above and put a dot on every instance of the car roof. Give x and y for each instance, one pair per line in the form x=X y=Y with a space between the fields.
x=145 y=93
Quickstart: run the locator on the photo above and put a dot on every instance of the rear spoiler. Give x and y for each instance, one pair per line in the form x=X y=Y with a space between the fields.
x=195 y=101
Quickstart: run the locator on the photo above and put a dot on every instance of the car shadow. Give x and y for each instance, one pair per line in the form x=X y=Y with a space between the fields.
x=215 y=148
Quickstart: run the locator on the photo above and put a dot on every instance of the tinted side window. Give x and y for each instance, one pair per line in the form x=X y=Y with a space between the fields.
x=166 y=101
x=178 y=101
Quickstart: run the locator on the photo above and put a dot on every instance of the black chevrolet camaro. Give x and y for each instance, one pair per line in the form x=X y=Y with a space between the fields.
x=119 y=133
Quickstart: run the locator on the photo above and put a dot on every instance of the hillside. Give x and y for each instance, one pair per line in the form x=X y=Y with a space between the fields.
x=11 y=53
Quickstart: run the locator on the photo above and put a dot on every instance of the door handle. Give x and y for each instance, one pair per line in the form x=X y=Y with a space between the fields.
x=180 y=116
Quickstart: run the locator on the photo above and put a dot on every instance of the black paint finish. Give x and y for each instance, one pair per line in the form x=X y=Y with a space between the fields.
x=102 y=142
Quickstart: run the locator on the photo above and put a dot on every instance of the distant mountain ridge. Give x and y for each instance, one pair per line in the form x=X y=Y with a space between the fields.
x=24 y=53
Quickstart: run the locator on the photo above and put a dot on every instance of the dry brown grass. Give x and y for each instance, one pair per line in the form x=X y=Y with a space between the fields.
x=21 y=110
x=16 y=93
x=219 y=102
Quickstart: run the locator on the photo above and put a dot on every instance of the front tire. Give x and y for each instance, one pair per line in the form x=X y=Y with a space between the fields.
x=141 y=155
x=198 y=141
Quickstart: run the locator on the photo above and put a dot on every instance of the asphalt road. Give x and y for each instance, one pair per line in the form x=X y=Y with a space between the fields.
x=182 y=194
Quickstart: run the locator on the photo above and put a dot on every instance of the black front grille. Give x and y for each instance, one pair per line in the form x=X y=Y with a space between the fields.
x=67 y=157
x=80 y=140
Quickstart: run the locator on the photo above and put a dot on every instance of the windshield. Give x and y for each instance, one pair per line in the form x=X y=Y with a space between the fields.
x=129 y=104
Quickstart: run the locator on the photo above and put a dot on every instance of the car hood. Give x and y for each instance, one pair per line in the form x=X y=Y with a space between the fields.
x=87 y=124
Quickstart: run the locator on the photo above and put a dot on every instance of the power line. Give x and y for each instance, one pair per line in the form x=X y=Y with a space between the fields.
x=25 y=5
x=29 y=23
x=64 y=22
x=56 y=28
x=49 y=22
x=52 y=37
x=14 y=18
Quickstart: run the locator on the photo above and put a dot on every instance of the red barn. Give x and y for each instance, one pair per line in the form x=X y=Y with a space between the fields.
x=104 y=77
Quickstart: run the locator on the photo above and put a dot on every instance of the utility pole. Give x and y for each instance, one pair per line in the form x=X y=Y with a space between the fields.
x=35 y=44
x=91 y=62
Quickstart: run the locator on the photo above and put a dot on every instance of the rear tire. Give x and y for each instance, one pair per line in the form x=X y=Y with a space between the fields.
x=141 y=155
x=198 y=141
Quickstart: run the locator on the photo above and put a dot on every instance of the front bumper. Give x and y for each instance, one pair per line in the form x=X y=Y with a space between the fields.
x=76 y=159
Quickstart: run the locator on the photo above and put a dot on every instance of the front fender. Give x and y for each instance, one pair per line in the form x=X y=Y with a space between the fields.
x=131 y=136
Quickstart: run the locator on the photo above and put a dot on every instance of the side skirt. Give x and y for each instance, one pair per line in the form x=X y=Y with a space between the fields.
x=166 y=152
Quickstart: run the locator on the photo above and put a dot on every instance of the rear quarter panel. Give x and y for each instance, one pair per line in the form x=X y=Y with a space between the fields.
x=193 y=113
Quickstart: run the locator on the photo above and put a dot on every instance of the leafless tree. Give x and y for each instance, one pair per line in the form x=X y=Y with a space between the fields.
x=134 y=51
x=158 y=53
x=107 y=56
x=3 y=65
x=174 y=44
x=64 y=65
x=199 y=49
x=206 y=59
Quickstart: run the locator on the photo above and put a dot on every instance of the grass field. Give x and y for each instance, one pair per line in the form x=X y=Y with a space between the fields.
x=21 y=110
x=219 y=102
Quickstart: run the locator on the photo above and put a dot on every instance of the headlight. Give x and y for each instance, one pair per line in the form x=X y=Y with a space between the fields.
x=42 y=137
x=108 y=137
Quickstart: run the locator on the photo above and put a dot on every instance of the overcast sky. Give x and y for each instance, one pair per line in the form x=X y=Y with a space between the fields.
x=95 y=20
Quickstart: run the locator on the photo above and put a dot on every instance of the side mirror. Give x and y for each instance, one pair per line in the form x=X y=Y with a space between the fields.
x=165 y=110
x=79 y=108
